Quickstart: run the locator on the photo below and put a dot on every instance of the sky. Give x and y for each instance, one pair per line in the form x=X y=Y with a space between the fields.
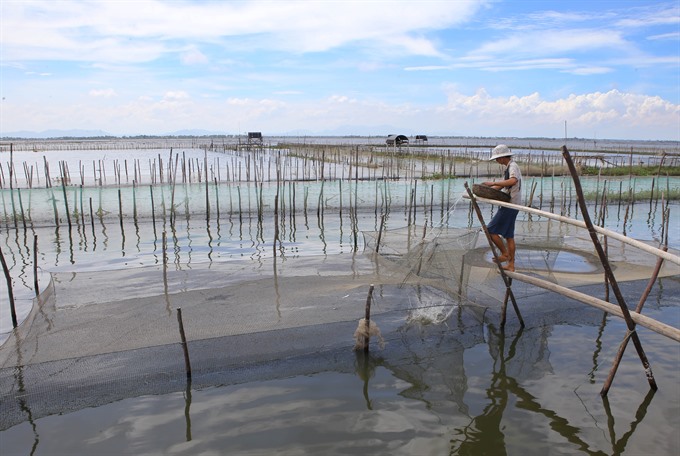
x=599 y=69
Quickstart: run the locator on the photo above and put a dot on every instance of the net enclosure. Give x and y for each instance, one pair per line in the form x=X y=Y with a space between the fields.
x=94 y=337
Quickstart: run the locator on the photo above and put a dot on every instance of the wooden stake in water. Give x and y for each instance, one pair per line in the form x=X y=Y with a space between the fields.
x=207 y=184
x=9 y=289
x=367 y=318
x=35 y=265
x=153 y=209
x=91 y=217
x=610 y=274
x=21 y=208
x=624 y=343
x=185 y=348
x=120 y=212
x=63 y=187
x=382 y=225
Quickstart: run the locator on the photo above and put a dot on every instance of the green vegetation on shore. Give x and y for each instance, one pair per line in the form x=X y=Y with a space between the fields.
x=643 y=171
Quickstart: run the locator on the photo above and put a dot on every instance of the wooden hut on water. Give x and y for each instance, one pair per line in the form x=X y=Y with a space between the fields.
x=396 y=140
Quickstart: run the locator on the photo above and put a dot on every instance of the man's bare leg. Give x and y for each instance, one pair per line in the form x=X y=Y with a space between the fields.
x=498 y=241
x=511 y=255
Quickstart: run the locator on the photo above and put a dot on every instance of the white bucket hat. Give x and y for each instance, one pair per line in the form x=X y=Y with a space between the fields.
x=499 y=151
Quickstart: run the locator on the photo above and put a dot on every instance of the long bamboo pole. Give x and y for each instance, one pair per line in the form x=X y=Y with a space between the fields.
x=609 y=273
x=644 y=321
x=624 y=343
x=612 y=234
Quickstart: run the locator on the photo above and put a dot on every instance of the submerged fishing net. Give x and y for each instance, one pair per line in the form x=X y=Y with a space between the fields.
x=99 y=336
x=460 y=261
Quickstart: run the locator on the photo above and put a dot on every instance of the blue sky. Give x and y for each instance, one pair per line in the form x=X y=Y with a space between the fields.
x=599 y=69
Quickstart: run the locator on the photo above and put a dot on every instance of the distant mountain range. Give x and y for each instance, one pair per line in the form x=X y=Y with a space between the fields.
x=55 y=134
x=52 y=134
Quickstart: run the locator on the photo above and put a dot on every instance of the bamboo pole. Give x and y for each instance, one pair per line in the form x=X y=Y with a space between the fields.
x=613 y=309
x=624 y=343
x=504 y=274
x=607 y=232
x=610 y=274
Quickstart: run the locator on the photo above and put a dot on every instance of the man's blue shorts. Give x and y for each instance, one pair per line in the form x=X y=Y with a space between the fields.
x=503 y=222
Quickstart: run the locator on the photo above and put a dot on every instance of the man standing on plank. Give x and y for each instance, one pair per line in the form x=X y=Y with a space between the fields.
x=502 y=225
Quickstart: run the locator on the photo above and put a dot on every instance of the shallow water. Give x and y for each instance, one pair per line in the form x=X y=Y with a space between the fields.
x=457 y=386
x=531 y=392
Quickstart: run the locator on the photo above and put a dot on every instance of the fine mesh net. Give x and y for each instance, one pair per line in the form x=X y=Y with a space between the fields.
x=97 y=336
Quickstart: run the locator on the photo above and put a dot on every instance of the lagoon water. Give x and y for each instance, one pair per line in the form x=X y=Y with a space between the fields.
x=455 y=385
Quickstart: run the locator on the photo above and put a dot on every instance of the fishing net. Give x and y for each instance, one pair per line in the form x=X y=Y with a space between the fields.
x=460 y=262
x=98 y=336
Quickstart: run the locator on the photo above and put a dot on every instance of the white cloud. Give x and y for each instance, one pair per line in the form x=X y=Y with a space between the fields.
x=194 y=56
x=176 y=95
x=665 y=36
x=111 y=31
x=104 y=93
x=340 y=99
x=207 y=64
x=613 y=114
x=654 y=15
x=552 y=42
x=587 y=111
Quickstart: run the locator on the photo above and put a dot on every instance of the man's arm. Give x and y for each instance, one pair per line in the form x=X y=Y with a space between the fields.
x=501 y=184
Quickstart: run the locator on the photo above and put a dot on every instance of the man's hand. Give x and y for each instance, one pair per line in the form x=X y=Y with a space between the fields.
x=492 y=185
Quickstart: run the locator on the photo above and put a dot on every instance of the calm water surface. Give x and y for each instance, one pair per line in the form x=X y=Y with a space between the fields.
x=435 y=389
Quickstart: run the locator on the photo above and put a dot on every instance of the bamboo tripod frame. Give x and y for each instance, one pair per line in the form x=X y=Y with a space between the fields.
x=631 y=318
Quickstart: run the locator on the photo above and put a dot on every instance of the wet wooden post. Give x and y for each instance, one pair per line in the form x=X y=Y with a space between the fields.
x=382 y=226
x=63 y=188
x=9 y=289
x=120 y=212
x=367 y=319
x=153 y=209
x=624 y=344
x=608 y=271
x=207 y=185
x=506 y=279
x=91 y=217
x=165 y=255
x=35 y=265
x=276 y=222
x=21 y=208
x=638 y=309
x=185 y=348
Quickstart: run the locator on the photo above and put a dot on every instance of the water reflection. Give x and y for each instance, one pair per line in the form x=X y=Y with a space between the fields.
x=484 y=435
x=619 y=445
x=187 y=409
x=21 y=388
x=437 y=383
